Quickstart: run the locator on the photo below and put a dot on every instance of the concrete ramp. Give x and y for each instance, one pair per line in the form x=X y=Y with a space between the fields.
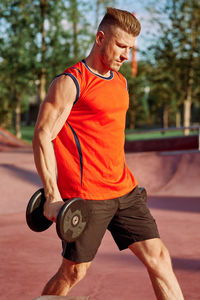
x=9 y=141
x=29 y=259
x=167 y=173
x=62 y=298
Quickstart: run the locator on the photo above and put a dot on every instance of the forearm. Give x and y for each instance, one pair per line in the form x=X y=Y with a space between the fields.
x=46 y=164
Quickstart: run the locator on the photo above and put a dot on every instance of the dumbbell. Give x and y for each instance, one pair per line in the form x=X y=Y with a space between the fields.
x=71 y=220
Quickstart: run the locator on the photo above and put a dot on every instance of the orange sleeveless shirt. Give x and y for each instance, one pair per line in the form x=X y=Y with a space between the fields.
x=89 y=149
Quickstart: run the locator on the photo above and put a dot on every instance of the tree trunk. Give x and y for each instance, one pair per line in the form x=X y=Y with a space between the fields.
x=42 y=75
x=42 y=85
x=132 y=113
x=187 y=114
x=188 y=99
x=131 y=119
x=18 y=117
x=75 y=30
x=178 y=119
x=97 y=13
x=165 y=116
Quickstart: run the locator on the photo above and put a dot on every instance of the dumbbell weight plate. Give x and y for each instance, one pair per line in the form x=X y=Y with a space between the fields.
x=34 y=212
x=72 y=219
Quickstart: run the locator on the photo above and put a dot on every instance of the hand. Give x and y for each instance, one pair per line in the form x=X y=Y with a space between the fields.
x=51 y=209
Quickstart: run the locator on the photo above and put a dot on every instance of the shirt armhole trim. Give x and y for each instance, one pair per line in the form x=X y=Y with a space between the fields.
x=76 y=84
x=126 y=84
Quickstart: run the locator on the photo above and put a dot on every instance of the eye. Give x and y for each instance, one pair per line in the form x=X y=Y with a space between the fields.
x=121 y=46
x=124 y=47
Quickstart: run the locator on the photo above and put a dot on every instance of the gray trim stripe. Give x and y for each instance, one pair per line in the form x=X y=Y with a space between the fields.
x=78 y=145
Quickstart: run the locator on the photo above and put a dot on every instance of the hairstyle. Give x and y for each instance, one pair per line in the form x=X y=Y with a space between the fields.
x=122 y=19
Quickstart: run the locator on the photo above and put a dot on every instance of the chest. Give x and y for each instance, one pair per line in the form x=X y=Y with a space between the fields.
x=103 y=98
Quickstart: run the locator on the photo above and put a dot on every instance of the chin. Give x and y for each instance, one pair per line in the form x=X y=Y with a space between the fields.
x=115 y=68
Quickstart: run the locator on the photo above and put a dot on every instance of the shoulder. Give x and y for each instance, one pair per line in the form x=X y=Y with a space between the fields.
x=62 y=82
x=122 y=79
x=69 y=80
x=75 y=70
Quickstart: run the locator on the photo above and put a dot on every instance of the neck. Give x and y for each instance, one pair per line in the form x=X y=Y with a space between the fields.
x=94 y=63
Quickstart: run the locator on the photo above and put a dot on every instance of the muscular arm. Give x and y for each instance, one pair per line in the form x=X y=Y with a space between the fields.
x=52 y=115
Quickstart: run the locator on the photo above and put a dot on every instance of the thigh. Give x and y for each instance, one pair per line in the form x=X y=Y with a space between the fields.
x=85 y=247
x=133 y=221
x=147 y=248
x=151 y=251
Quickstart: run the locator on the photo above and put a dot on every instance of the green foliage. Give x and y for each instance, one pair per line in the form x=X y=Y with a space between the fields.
x=14 y=58
x=46 y=36
x=176 y=57
x=37 y=36
x=139 y=111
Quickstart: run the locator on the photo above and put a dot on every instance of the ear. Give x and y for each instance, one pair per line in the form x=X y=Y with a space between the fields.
x=100 y=36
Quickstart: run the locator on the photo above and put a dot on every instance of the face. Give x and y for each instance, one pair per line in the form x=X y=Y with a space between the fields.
x=114 y=48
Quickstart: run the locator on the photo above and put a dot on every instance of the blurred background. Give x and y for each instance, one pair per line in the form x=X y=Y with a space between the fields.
x=39 y=39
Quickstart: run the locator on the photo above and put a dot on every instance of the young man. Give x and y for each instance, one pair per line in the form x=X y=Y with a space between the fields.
x=84 y=115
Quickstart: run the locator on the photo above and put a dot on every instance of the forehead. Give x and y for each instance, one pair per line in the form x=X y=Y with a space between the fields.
x=123 y=37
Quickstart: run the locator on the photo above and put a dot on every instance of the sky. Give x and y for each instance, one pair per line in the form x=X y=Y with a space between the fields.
x=137 y=6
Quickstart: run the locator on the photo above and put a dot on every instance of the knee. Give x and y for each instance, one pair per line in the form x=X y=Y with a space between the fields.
x=77 y=272
x=72 y=273
x=159 y=260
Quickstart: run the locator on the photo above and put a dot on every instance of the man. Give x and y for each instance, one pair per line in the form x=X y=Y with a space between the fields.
x=84 y=115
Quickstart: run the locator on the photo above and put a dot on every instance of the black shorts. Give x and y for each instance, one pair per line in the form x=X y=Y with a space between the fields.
x=127 y=218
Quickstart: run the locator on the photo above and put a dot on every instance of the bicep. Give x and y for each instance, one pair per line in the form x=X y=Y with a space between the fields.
x=56 y=107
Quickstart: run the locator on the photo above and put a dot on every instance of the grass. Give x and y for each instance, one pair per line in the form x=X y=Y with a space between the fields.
x=27 y=134
x=137 y=135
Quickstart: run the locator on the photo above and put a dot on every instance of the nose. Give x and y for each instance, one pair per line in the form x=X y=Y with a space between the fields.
x=125 y=54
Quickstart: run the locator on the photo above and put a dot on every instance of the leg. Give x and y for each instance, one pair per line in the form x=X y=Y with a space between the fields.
x=69 y=274
x=155 y=257
x=82 y=250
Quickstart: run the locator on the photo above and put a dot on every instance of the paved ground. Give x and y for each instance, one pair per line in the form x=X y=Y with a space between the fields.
x=28 y=259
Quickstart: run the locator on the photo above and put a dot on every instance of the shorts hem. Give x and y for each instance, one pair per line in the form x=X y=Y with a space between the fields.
x=121 y=248
x=79 y=260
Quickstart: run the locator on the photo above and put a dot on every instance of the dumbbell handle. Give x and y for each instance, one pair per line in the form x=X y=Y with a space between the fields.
x=71 y=219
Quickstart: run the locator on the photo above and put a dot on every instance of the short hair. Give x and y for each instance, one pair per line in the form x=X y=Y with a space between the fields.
x=122 y=19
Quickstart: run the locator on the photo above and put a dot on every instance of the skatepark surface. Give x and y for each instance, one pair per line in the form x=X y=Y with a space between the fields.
x=29 y=259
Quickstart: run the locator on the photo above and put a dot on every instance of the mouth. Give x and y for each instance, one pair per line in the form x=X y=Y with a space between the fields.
x=119 y=62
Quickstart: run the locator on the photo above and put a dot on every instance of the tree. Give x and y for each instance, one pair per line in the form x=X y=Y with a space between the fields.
x=176 y=56
x=37 y=43
x=15 y=61
x=42 y=75
x=138 y=86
